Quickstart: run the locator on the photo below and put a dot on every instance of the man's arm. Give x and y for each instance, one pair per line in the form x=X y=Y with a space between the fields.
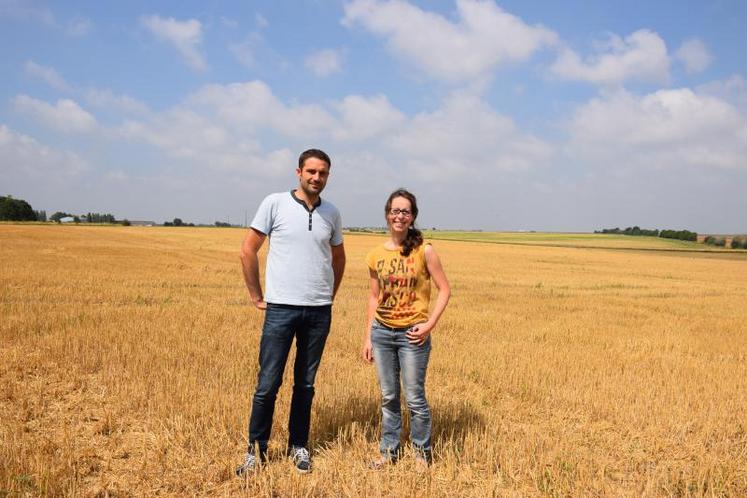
x=250 y=265
x=338 y=266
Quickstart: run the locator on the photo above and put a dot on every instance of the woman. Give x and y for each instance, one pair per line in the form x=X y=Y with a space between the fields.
x=399 y=327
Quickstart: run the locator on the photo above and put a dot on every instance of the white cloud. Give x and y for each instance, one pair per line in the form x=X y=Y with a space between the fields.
x=198 y=142
x=78 y=26
x=733 y=89
x=261 y=21
x=364 y=118
x=21 y=10
x=180 y=133
x=48 y=74
x=106 y=99
x=24 y=156
x=252 y=106
x=324 y=62
x=246 y=50
x=185 y=36
x=666 y=129
x=483 y=38
x=466 y=136
x=65 y=116
x=640 y=56
x=254 y=53
x=694 y=55
x=224 y=126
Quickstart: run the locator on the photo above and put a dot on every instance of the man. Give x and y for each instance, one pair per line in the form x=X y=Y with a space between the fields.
x=305 y=263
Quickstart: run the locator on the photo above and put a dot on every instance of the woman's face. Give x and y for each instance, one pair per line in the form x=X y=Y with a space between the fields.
x=399 y=216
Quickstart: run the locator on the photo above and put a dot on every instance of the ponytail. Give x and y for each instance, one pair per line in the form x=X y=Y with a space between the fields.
x=413 y=240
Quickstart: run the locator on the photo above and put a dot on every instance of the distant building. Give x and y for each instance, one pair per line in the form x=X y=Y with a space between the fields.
x=142 y=223
x=67 y=219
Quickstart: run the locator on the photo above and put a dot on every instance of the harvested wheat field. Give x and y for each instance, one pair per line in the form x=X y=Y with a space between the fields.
x=129 y=358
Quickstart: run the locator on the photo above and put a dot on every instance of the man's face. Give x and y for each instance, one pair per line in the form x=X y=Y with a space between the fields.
x=313 y=176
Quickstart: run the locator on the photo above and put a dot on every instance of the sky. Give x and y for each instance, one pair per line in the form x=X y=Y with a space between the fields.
x=515 y=115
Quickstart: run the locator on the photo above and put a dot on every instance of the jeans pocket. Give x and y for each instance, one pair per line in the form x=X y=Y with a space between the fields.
x=377 y=334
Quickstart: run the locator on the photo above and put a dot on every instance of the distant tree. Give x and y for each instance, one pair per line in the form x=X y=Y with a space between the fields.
x=76 y=219
x=168 y=224
x=15 y=210
x=178 y=222
x=57 y=216
x=126 y=222
x=679 y=235
x=634 y=231
x=41 y=215
x=688 y=235
x=715 y=241
x=222 y=224
x=100 y=218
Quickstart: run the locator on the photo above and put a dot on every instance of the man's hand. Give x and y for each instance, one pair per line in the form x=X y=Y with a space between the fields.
x=419 y=333
x=260 y=304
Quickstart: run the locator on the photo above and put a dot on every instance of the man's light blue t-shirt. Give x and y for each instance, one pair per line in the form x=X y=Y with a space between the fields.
x=299 y=261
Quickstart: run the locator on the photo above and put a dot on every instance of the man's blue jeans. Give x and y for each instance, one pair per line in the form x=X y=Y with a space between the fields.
x=394 y=355
x=310 y=326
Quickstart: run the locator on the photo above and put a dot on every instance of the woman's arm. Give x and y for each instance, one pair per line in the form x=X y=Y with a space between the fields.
x=420 y=332
x=373 y=303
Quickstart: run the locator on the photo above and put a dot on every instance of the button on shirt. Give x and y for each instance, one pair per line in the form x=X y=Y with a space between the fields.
x=299 y=260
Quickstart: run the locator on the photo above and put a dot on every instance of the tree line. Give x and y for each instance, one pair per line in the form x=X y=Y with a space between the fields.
x=666 y=234
x=19 y=210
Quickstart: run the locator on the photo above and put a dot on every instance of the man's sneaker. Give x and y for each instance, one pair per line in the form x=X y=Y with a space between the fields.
x=251 y=462
x=301 y=459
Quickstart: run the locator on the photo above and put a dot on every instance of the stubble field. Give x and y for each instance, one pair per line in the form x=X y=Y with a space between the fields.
x=128 y=358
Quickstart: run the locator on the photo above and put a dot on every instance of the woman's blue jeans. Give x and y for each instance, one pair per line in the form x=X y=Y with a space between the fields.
x=395 y=357
x=310 y=326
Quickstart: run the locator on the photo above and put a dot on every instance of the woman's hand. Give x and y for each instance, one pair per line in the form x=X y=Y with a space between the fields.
x=419 y=333
x=367 y=352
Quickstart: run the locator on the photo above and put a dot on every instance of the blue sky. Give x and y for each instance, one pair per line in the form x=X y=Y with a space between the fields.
x=516 y=115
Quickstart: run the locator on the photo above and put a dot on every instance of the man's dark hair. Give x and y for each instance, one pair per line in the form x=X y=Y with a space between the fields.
x=414 y=238
x=316 y=153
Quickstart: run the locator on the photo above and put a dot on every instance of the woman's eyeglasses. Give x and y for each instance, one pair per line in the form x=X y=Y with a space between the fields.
x=404 y=212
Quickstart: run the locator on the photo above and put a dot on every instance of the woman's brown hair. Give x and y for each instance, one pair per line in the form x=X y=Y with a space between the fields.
x=414 y=238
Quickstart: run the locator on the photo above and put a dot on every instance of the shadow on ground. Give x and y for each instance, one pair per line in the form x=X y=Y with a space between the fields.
x=452 y=421
x=343 y=419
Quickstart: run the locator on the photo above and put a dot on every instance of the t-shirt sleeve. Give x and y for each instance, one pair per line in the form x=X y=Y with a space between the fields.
x=371 y=260
x=336 y=238
x=265 y=213
x=422 y=255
